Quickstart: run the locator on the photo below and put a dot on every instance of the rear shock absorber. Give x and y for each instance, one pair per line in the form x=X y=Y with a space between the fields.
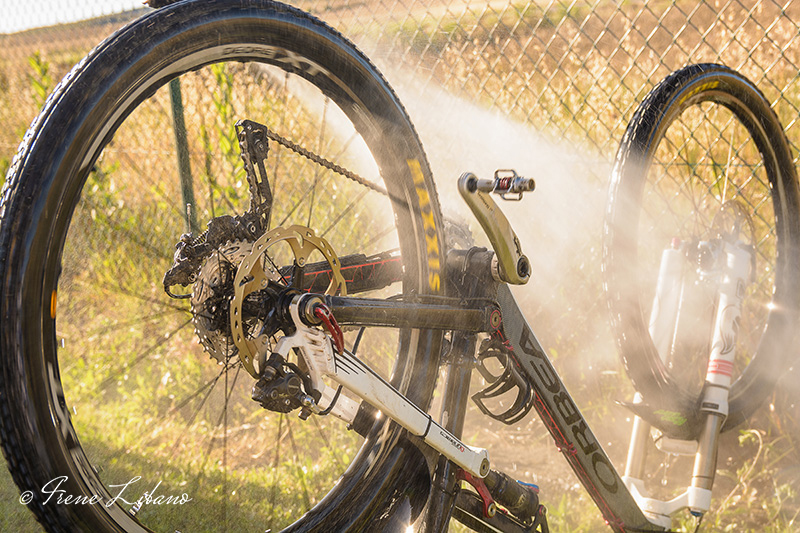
x=520 y=500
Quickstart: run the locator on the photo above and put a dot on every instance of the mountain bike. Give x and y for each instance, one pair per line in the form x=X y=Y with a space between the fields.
x=256 y=338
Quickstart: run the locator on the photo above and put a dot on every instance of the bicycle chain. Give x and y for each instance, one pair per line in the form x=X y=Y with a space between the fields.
x=325 y=163
x=192 y=252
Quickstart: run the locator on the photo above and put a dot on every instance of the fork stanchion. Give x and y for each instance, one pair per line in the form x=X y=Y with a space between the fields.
x=720 y=371
x=637 y=450
x=663 y=317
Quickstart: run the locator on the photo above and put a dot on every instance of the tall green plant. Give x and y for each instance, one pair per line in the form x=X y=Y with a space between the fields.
x=222 y=99
x=40 y=79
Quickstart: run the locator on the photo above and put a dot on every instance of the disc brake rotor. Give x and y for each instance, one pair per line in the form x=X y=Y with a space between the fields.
x=254 y=274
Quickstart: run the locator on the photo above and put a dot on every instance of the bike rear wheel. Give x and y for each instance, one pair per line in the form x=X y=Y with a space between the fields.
x=103 y=378
x=704 y=143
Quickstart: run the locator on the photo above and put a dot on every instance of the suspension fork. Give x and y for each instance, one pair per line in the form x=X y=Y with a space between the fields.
x=714 y=404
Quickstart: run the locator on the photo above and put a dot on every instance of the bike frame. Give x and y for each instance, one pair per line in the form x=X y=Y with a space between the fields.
x=567 y=425
x=563 y=419
x=621 y=500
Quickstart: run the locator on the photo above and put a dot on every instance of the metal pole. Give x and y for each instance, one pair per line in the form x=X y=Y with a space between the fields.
x=182 y=147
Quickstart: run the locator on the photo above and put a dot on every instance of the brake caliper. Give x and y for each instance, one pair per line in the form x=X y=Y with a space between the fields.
x=280 y=387
x=283 y=386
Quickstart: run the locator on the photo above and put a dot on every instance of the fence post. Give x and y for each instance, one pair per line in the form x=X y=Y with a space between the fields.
x=182 y=147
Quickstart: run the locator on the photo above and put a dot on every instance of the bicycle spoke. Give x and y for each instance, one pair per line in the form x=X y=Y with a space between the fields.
x=127 y=324
x=275 y=458
x=129 y=350
x=356 y=201
x=142 y=355
x=317 y=168
x=298 y=469
x=222 y=420
x=327 y=441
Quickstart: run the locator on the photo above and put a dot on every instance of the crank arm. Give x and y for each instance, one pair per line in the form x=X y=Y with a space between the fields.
x=512 y=266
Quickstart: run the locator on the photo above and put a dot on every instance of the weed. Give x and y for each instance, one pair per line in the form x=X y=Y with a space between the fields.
x=40 y=79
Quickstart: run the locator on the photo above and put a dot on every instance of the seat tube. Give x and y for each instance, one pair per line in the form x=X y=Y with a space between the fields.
x=444 y=489
x=720 y=371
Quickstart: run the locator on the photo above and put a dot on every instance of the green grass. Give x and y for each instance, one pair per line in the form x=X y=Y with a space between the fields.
x=14 y=516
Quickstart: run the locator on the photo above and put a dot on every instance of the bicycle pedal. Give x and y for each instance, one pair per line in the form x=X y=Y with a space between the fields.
x=507 y=381
x=512 y=265
x=505 y=183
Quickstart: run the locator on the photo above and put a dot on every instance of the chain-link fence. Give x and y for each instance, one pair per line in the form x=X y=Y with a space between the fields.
x=572 y=71
x=544 y=87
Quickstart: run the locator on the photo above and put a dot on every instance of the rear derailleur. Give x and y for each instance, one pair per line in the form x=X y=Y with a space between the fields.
x=191 y=252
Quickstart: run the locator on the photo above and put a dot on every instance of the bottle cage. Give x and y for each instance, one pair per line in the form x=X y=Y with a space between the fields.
x=508 y=380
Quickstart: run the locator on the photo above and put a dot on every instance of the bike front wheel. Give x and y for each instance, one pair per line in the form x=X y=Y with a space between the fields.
x=704 y=151
x=112 y=390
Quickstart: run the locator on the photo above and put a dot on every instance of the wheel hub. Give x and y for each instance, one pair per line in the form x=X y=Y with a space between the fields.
x=254 y=274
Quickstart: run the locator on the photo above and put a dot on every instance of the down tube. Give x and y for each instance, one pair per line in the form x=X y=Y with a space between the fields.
x=567 y=425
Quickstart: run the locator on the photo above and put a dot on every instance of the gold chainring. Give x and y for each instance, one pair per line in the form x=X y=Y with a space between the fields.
x=254 y=274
